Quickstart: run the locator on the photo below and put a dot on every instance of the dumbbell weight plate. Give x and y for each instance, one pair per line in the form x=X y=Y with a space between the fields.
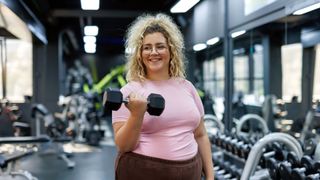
x=310 y=146
x=156 y=104
x=112 y=99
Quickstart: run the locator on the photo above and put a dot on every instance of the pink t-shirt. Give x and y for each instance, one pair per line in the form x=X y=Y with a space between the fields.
x=170 y=135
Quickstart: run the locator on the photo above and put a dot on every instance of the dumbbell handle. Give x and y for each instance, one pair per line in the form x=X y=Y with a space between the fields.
x=300 y=169
x=269 y=154
x=126 y=101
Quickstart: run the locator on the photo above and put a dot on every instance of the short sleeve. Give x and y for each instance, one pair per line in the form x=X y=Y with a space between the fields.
x=196 y=97
x=123 y=113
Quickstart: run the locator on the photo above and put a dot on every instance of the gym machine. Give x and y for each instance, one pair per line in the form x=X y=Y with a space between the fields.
x=8 y=158
x=40 y=113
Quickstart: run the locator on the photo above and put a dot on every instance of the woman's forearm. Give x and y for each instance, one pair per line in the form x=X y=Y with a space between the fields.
x=206 y=155
x=127 y=136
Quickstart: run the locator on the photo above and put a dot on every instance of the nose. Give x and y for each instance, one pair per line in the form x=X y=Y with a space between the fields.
x=154 y=50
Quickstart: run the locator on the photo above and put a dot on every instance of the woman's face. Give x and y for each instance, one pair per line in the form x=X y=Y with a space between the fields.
x=155 y=54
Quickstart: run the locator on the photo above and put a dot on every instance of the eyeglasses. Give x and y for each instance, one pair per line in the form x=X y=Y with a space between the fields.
x=159 y=48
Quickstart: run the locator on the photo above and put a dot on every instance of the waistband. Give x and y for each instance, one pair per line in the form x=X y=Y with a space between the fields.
x=166 y=161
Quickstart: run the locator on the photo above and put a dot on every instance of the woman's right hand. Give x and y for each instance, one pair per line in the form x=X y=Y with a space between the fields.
x=137 y=104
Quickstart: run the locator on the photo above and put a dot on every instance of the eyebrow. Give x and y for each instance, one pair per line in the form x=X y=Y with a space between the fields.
x=149 y=44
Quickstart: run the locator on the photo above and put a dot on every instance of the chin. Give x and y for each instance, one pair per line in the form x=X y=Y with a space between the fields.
x=156 y=68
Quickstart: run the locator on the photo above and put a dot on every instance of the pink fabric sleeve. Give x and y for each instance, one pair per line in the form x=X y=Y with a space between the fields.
x=123 y=113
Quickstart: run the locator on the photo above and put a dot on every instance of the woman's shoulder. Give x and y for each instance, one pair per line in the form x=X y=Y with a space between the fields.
x=184 y=82
x=132 y=85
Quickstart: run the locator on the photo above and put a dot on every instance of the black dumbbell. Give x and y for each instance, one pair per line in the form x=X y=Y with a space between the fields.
x=113 y=99
x=273 y=167
x=273 y=162
x=287 y=166
x=308 y=166
x=231 y=145
x=310 y=146
x=225 y=142
x=237 y=148
x=220 y=139
x=273 y=150
x=234 y=171
x=313 y=177
x=222 y=172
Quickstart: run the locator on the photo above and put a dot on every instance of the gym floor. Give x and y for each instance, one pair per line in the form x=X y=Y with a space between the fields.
x=98 y=164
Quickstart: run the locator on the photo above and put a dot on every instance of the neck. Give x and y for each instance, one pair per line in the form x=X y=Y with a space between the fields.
x=158 y=77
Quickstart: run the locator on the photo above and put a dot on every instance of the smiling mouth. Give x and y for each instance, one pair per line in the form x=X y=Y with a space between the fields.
x=154 y=60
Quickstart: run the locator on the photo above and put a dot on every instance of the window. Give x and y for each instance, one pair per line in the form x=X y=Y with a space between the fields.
x=316 y=83
x=291 y=56
x=219 y=77
x=208 y=76
x=16 y=58
x=2 y=65
x=213 y=77
x=248 y=73
x=241 y=73
x=258 y=71
x=19 y=70
x=213 y=73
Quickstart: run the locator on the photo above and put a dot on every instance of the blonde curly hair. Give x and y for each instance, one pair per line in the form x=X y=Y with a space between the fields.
x=148 y=24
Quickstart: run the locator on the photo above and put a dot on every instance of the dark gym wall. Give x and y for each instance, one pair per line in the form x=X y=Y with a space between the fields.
x=308 y=68
x=201 y=28
x=46 y=76
x=39 y=61
x=46 y=71
x=272 y=66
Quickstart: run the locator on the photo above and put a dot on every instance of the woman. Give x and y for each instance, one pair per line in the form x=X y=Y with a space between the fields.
x=175 y=144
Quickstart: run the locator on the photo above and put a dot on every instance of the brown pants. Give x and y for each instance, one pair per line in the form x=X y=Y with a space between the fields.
x=132 y=166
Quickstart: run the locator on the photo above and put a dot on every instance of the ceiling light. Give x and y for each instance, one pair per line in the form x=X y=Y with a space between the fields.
x=90 y=48
x=89 y=39
x=307 y=9
x=238 y=33
x=90 y=4
x=91 y=30
x=183 y=6
x=199 y=47
x=213 y=41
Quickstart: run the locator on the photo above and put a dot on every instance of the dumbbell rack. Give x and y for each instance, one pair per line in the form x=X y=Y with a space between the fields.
x=228 y=156
x=223 y=158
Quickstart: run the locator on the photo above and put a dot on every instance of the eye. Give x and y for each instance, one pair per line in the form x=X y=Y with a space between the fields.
x=161 y=47
x=146 y=48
